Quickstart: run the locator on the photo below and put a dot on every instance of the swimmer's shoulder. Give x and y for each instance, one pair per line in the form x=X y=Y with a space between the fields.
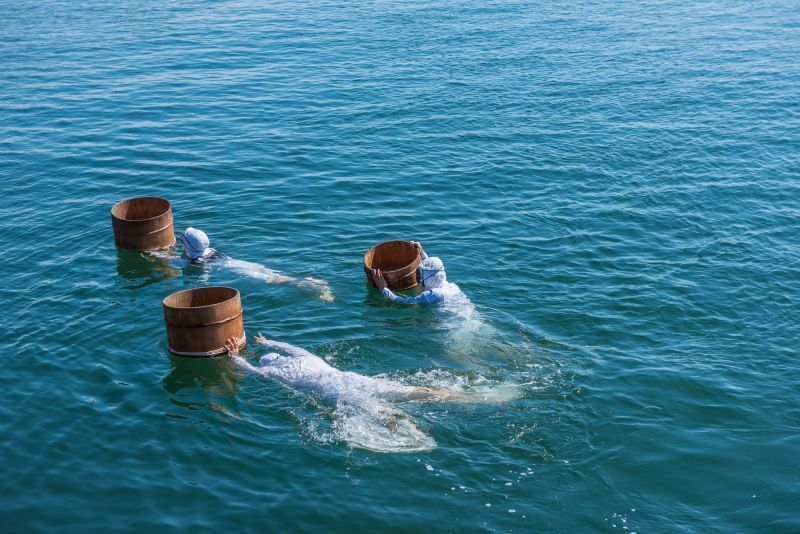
x=211 y=258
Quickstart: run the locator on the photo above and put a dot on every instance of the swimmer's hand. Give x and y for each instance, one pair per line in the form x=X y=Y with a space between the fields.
x=260 y=339
x=232 y=346
x=378 y=279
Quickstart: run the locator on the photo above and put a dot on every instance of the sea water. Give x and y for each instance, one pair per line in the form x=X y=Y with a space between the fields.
x=614 y=186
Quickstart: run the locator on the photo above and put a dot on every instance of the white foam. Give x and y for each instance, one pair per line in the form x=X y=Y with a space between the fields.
x=467 y=333
x=378 y=427
x=363 y=415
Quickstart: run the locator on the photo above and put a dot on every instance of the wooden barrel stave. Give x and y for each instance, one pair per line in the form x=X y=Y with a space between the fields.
x=200 y=320
x=143 y=224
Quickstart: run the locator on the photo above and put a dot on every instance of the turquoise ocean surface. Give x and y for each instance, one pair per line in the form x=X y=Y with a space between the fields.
x=614 y=185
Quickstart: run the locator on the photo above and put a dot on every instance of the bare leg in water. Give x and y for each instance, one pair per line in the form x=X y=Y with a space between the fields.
x=432 y=394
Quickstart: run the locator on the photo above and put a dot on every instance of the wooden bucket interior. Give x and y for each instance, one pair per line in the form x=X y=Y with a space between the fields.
x=200 y=297
x=391 y=256
x=140 y=209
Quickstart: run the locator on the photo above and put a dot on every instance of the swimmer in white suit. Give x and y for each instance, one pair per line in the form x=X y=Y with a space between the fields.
x=196 y=245
x=438 y=291
x=306 y=371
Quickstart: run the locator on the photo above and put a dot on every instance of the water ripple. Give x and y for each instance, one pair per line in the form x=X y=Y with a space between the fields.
x=614 y=186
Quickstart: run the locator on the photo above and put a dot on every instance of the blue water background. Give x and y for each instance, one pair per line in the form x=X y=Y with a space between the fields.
x=614 y=186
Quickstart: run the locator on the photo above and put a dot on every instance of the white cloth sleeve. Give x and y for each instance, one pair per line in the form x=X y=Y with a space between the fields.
x=426 y=297
x=244 y=364
x=287 y=348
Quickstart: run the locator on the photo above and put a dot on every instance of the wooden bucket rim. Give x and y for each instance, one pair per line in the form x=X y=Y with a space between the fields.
x=169 y=207
x=404 y=267
x=164 y=302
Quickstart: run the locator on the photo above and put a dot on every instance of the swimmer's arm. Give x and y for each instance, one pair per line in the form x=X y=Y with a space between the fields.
x=319 y=285
x=426 y=297
x=241 y=362
x=174 y=260
x=161 y=254
x=286 y=347
x=232 y=346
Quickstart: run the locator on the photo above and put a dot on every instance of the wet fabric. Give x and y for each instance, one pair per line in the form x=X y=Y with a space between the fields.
x=304 y=370
x=434 y=279
x=196 y=243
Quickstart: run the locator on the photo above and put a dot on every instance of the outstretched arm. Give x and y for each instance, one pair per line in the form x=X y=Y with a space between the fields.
x=232 y=346
x=286 y=347
x=427 y=297
x=174 y=260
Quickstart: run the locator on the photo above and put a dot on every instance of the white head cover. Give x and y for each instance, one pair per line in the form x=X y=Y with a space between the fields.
x=196 y=243
x=268 y=358
x=433 y=274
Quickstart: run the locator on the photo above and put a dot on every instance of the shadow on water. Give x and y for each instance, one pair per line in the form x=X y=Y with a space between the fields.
x=138 y=270
x=191 y=382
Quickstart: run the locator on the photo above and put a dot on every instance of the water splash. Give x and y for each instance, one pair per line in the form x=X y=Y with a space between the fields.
x=467 y=388
x=375 y=425
x=359 y=410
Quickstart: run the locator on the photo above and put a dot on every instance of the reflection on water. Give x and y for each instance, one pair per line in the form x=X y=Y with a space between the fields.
x=138 y=270
x=191 y=382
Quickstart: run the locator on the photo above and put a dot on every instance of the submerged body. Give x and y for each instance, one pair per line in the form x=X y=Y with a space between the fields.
x=305 y=371
x=467 y=333
x=362 y=410
x=196 y=246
